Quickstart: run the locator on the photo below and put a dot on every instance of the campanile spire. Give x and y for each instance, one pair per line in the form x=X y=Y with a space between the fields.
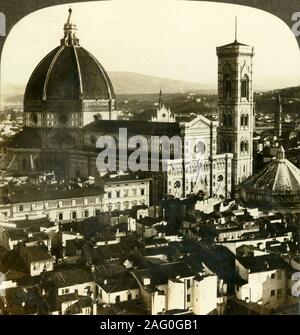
x=235 y=29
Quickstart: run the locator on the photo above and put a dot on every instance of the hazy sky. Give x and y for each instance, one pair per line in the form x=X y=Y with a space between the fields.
x=165 y=38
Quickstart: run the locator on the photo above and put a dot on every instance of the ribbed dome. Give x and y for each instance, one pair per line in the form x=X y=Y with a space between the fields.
x=277 y=186
x=279 y=176
x=69 y=72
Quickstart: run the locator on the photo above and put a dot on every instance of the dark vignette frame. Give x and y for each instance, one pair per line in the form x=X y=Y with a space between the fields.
x=15 y=10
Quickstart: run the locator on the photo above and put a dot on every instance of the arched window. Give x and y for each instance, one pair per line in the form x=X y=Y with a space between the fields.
x=246 y=146
x=224 y=120
x=24 y=164
x=93 y=139
x=33 y=119
x=227 y=87
x=63 y=118
x=245 y=87
x=229 y=120
x=246 y=120
x=242 y=120
x=242 y=146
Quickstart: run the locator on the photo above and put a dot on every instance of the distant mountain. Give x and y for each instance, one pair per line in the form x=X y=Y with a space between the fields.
x=135 y=83
x=267 y=102
x=286 y=93
x=125 y=83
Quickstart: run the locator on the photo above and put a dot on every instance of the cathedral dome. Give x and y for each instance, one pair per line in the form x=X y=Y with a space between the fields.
x=278 y=184
x=68 y=73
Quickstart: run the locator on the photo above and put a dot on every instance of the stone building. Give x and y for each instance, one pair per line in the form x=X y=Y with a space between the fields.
x=276 y=188
x=235 y=101
x=70 y=102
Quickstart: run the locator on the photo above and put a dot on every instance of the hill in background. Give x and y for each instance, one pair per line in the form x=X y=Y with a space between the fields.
x=125 y=83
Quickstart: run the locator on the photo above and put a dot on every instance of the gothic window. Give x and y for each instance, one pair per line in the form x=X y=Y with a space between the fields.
x=242 y=120
x=246 y=120
x=33 y=118
x=93 y=139
x=242 y=146
x=225 y=120
x=62 y=118
x=24 y=164
x=229 y=120
x=245 y=87
x=37 y=163
x=227 y=86
x=246 y=146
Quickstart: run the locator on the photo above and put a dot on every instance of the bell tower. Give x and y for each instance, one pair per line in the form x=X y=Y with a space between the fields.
x=235 y=105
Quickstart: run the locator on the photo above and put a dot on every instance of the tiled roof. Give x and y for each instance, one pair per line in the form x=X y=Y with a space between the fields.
x=27 y=138
x=160 y=274
x=35 y=254
x=70 y=277
x=134 y=127
x=279 y=176
x=29 y=193
x=68 y=73
x=116 y=282
x=263 y=263
x=17 y=234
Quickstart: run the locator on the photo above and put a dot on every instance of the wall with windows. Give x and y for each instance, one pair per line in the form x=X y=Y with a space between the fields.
x=60 y=210
x=105 y=297
x=125 y=195
x=268 y=288
x=36 y=268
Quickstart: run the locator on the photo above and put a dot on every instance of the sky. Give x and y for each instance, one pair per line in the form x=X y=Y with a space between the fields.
x=165 y=38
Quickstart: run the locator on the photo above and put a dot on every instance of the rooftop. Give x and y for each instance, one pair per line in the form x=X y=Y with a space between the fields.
x=160 y=274
x=29 y=192
x=71 y=276
x=35 y=254
x=262 y=263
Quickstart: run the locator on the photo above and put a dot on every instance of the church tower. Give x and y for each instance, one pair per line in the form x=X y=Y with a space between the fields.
x=235 y=105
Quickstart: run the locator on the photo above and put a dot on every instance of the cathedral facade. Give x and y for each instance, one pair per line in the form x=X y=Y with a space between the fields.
x=70 y=102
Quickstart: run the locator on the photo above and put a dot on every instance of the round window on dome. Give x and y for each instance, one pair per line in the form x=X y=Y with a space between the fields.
x=33 y=119
x=62 y=118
